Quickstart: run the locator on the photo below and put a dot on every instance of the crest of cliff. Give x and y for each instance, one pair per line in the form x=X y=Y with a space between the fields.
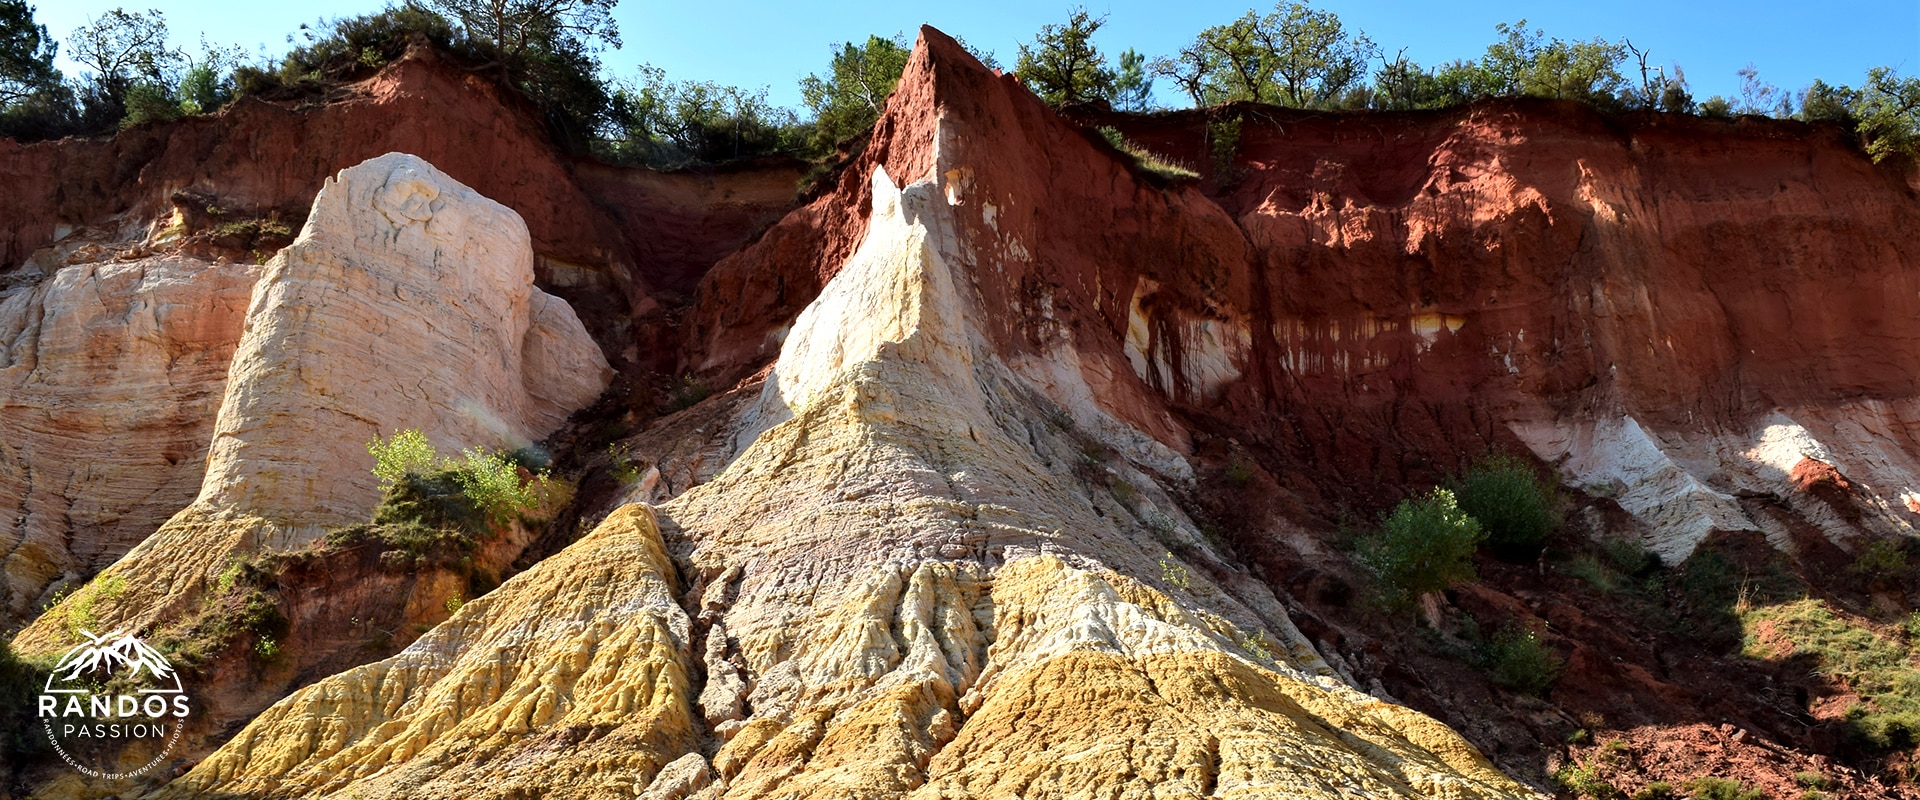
x=997 y=465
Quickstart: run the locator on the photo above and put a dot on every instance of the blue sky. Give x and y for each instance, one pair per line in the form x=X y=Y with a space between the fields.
x=773 y=44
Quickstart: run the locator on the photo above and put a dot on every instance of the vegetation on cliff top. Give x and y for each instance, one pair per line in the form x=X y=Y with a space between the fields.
x=547 y=52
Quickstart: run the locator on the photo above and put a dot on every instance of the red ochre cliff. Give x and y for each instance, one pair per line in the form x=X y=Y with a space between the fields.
x=1016 y=446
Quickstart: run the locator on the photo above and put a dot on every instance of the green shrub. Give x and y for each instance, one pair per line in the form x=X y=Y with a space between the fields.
x=1174 y=572
x=1630 y=557
x=1585 y=781
x=492 y=481
x=1512 y=503
x=419 y=507
x=349 y=47
x=149 y=102
x=465 y=494
x=1516 y=659
x=687 y=393
x=1883 y=562
x=220 y=621
x=404 y=453
x=1594 y=572
x=1721 y=789
x=1812 y=780
x=1657 y=790
x=1223 y=144
x=1426 y=545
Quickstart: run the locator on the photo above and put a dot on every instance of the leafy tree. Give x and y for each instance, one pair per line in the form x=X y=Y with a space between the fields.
x=1062 y=66
x=1759 y=97
x=545 y=49
x=1889 y=112
x=124 y=48
x=1189 y=69
x=1525 y=62
x=1315 y=60
x=1426 y=545
x=670 y=124
x=1401 y=84
x=1132 y=84
x=26 y=54
x=207 y=83
x=1295 y=56
x=512 y=33
x=848 y=98
x=1512 y=503
x=1459 y=81
x=1223 y=64
x=1824 y=101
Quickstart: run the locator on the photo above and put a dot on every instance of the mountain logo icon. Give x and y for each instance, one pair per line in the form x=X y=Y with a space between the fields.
x=108 y=656
x=113 y=707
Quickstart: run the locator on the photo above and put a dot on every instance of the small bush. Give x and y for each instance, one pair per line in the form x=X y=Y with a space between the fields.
x=420 y=486
x=1426 y=545
x=687 y=393
x=1630 y=557
x=492 y=481
x=1657 y=790
x=1812 y=780
x=1511 y=501
x=1594 y=573
x=1516 y=659
x=1223 y=144
x=420 y=506
x=1585 y=781
x=1174 y=572
x=404 y=453
x=1721 y=789
x=149 y=102
x=1883 y=562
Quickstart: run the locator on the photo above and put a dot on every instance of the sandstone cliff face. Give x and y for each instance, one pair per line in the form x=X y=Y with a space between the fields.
x=953 y=527
x=893 y=573
x=1674 y=311
x=407 y=302
x=109 y=377
x=124 y=446
x=605 y=238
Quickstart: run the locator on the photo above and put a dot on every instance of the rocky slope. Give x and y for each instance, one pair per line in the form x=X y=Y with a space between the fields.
x=1029 y=466
x=183 y=212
